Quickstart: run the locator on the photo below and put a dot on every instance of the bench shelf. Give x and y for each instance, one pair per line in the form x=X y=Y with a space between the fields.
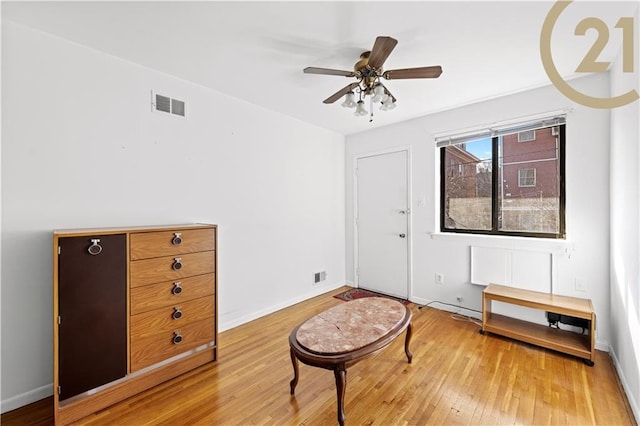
x=579 y=345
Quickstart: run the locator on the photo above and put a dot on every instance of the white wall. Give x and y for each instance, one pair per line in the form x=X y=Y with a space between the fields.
x=587 y=208
x=81 y=148
x=625 y=235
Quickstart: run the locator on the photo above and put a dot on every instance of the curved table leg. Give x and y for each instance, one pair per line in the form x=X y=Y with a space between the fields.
x=341 y=383
x=406 y=343
x=294 y=381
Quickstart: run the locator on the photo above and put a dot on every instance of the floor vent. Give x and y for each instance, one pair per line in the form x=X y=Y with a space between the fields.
x=167 y=105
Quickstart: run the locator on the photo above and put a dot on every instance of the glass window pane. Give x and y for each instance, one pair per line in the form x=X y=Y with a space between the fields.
x=529 y=196
x=467 y=185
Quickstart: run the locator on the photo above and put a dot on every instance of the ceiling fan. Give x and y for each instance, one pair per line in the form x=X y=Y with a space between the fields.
x=368 y=71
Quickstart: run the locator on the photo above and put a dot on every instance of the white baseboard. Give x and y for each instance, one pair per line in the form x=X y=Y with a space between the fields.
x=34 y=395
x=625 y=386
x=600 y=344
x=227 y=325
x=26 y=398
x=603 y=346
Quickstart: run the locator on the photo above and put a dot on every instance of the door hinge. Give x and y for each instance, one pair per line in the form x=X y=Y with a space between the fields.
x=59 y=390
x=358 y=271
x=59 y=250
x=356 y=172
x=357 y=221
x=59 y=320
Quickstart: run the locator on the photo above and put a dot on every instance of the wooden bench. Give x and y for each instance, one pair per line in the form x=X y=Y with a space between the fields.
x=345 y=334
x=580 y=345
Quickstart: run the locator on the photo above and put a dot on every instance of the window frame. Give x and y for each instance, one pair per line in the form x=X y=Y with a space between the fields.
x=496 y=190
x=520 y=178
x=527 y=140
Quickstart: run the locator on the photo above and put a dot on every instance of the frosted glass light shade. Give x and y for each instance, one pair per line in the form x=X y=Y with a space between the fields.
x=360 y=108
x=388 y=104
x=378 y=93
x=349 y=101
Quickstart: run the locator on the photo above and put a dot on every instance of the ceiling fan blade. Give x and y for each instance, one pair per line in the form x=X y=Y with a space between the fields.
x=423 y=72
x=340 y=93
x=381 y=50
x=327 y=71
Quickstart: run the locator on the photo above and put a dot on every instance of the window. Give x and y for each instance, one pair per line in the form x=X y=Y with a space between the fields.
x=526 y=177
x=507 y=188
x=527 y=136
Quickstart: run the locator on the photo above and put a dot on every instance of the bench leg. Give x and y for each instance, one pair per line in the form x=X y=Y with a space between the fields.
x=294 y=361
x=406 y=344
x=341 y=383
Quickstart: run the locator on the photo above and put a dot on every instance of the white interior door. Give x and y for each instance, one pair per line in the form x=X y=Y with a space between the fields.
x=382 y=223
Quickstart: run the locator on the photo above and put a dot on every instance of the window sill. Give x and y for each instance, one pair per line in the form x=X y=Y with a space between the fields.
x=509 y=242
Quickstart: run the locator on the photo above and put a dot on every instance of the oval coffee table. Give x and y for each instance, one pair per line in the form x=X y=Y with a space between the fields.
x=345 y=334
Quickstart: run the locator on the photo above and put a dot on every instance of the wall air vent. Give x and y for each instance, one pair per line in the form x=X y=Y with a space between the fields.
x=167 y=105
x=319 y=276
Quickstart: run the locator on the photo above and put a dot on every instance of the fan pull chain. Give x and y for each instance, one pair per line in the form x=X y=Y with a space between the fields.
x=371 y=109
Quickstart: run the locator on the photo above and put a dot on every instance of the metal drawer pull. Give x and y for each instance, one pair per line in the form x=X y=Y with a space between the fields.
x=177 y=313
x=177 y=263
x=176 y=288
x=177 y=238
x=177 y=337
x=95 y=248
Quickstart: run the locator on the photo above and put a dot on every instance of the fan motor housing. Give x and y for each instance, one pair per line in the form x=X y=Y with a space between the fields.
x=362 y=64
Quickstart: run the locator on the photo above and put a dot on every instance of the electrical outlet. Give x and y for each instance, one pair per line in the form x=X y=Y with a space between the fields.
x=580 y=285
x=439 y=278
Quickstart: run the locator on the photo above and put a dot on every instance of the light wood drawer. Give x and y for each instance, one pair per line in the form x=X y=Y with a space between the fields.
x=146 y=245
x=150 y=271
x=149 y=297
x=170 y=317
x=148 y=351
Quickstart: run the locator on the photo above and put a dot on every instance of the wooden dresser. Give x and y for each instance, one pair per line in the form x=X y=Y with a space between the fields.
x=133 y=307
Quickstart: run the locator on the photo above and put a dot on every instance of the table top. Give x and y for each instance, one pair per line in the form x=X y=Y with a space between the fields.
x=350 y=326
x=575 y=306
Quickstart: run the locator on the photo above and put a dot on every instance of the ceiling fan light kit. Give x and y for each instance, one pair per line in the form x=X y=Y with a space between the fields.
x=349 y=100
x=378 y=93
x=368 y=71
x=387 y=104
x=360 y=109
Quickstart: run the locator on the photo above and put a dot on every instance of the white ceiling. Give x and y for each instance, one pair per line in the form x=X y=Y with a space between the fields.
x=256 y=50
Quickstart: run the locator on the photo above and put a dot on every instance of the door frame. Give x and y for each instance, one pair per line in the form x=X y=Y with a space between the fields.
x=356 y=275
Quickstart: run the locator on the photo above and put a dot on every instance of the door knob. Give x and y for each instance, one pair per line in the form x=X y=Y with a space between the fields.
x=402 y=235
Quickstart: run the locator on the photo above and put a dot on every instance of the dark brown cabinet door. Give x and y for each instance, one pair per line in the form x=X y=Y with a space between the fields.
x=92 y=304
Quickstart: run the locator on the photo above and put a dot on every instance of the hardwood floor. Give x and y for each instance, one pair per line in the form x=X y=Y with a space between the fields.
x=458 y=376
